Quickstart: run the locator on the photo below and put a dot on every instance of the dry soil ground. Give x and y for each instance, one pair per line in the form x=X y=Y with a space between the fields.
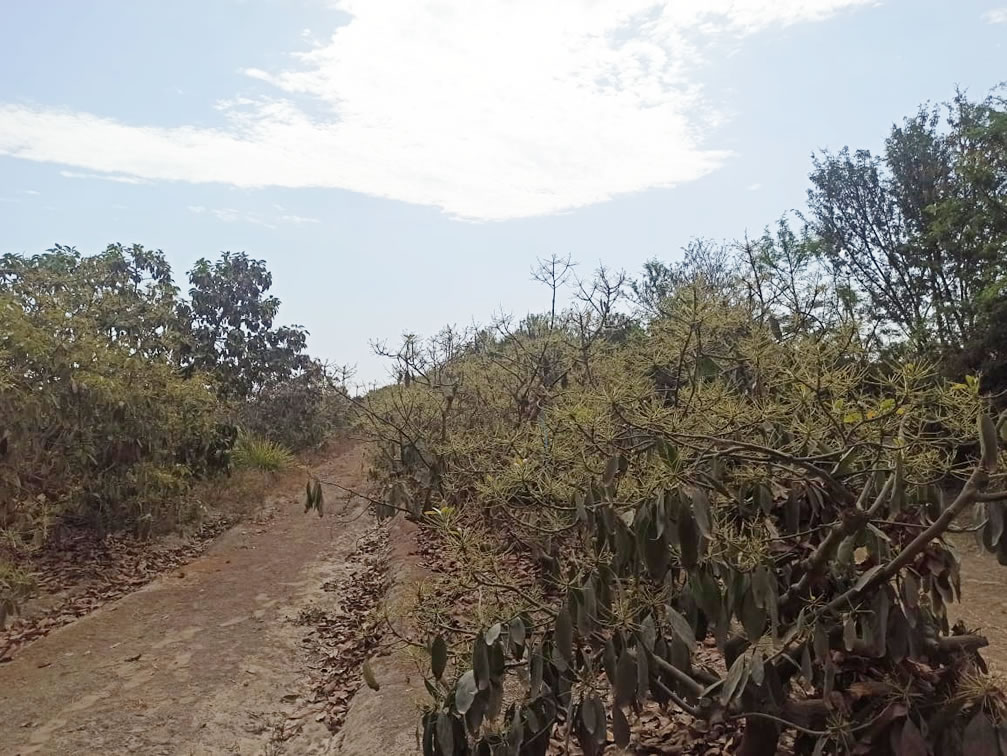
x=210 y=659
x=207 y=659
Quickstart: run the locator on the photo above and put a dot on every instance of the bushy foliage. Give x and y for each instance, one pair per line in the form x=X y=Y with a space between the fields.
x=300 y=412
x=230 y=332
x=770 y=458
x=745 y=462
x=919 y=232
x=257 y=453
x=95 y=415
x=115 y=392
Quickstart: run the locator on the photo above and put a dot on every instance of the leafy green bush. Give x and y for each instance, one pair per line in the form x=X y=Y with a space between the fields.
x=116 y=393
x=256 y=453
x=739 y=466
x=299 y=412
x=95 y=414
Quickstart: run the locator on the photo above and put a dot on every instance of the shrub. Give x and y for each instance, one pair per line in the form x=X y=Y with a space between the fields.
x=299 y=412
x=711 y=473
x=256 y=453
x=98 y=423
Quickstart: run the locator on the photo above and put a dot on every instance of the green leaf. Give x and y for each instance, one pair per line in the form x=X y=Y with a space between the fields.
x=492 y=634
x=481 y=663
x=807 y=672
x=563 y=634
x=765 y=498
x=642 y=672
x=701 y=511
x=446 y=733
x=988 y=447
x=758 y=666
x=648 y=632
x=515 y=733
x=669 y=454
x=688 y=537
x=368 y=675
x=821 y=642
x=912 y=742
x=438 y=657
x=608 y=659
x=589 y=714
x=611 y=470
x=600 y=733
x=706 y=592
x=752 y=618
x=537 y=663
x=732 y=682
x=995 y=515
x=867 y=576
x=681 y=627
x=850 y=632
x=517 y=631
x=465 y=691
x=625 y=679
x=910 y=590
x=620 y=728
x=980 y=737
x=706 y=367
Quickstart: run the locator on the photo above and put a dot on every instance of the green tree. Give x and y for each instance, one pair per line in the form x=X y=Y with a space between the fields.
x=232 y=335
x=95 y=416
x=920 y=231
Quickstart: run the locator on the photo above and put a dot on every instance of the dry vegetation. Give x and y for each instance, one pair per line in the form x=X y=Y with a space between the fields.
x=725 y=504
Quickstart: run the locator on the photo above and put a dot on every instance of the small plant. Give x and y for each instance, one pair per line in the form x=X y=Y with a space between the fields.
x=15 y=585
x=256 y=453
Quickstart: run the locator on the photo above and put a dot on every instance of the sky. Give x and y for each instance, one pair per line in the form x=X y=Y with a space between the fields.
x=402 y=164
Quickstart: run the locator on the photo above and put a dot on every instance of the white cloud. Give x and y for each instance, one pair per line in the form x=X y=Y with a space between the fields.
x=120 y=178
x=996 y=16
x=298 y=219
x=231 y=215
x=754 y=187
x=29 y=192
x=488 y=109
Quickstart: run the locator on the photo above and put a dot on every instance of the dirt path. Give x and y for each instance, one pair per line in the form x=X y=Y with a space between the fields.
x=205 y=660
x=984 y=600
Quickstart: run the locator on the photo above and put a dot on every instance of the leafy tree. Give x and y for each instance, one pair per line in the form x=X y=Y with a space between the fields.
x=232 y=335
x=95 y=417
x=126 y=292
x=300 y=412
x=702 y=260
x=920 y=231
x=776 y=495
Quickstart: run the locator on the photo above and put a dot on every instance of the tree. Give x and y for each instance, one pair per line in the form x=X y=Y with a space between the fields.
x=231 y=332
x=127 y=293
x=702 y=260
x=921 y=230
x=783 y=504
x=97 y=424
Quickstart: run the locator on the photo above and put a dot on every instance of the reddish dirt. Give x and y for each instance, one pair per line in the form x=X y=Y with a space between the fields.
x=984 y=600
x=207 y=659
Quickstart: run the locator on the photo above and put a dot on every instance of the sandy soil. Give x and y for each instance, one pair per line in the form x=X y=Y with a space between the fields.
x=984 y=600
x=205 y=660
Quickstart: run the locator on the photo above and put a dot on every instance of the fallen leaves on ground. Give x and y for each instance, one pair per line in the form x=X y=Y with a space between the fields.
x=340 y=643
x=83 y=571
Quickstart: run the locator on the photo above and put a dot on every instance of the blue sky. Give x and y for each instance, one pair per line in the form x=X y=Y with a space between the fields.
x=401 y=164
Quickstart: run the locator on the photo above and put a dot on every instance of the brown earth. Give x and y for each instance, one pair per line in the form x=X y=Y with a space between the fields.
x=984 y=600
x=209 y=658
x=219 y=657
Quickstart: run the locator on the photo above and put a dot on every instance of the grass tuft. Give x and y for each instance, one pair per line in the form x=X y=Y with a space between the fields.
x=256 y=453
